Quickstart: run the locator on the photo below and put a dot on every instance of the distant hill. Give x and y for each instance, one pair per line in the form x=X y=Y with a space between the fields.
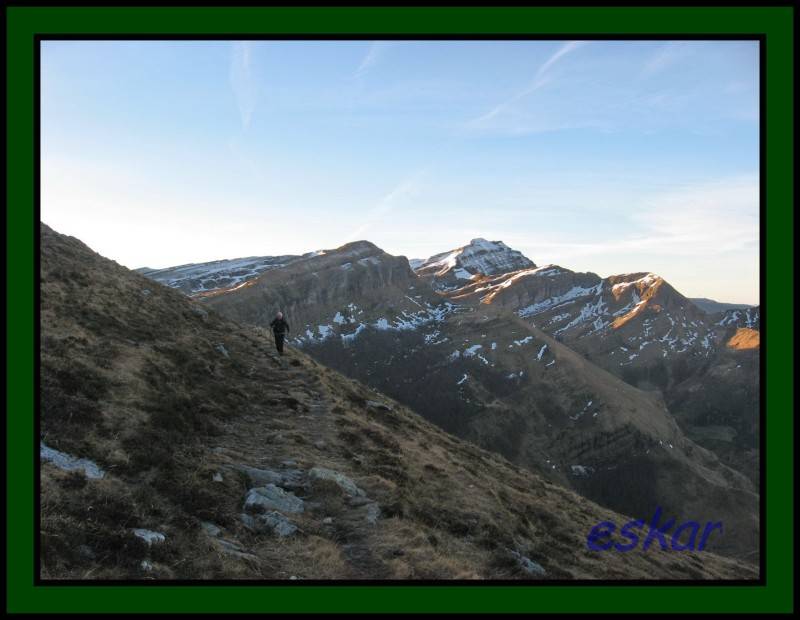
x=711 y=306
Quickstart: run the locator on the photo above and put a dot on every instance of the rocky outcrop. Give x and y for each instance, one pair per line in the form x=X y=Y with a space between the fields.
x=271 y=497
x=70 y=463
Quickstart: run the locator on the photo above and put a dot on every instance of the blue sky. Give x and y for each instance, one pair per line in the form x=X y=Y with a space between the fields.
x=604 y=156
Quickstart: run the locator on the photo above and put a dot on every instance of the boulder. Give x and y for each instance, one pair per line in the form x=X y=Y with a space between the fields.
x=271 y=497
x=528 y=565
x=70 y=463
x=272 y=522
x=344 y=483
x=289 y=478
x=372 y=513
x=378 y=405
x=211 y=529
x=149 y=536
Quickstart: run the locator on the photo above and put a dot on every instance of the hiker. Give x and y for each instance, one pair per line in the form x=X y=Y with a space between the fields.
x=279 y=328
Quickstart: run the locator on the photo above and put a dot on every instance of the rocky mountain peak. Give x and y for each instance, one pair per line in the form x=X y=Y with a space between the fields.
x=478 y=258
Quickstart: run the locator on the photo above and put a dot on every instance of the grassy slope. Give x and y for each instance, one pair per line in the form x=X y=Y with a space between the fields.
x=132 y=378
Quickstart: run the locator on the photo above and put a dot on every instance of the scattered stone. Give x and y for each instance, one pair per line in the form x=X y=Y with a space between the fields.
x=359 y=500
x=290 y=479
x=272 y=521
x=528 y=565
x=229 y=545
x=221 y=348
x=200 y=312
x=211 y=529
x=217 y=477
x=289 y=463
x=70 y=463
x=344 y=483
x=149 y=536
x=373 y=513
x=271 y=497
x=146 y=292
x=231 y=548
x=293 y=578
x=378 y=405
x=327 y=520
x=320 y=445
x=146 y=566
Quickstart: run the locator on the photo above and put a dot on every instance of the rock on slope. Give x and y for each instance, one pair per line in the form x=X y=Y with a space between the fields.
x=217 y=461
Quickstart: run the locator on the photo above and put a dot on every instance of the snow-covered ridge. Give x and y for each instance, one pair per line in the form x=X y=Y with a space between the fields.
x=204 y=277
x=479 y=257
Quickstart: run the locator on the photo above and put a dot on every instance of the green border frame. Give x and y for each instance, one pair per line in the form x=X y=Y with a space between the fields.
x=775 y=22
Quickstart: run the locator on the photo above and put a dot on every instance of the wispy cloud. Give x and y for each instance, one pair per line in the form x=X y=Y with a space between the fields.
x=703 y=220
x=377 y=215
x=540 y=79
x=371 y=59
x=667 y=55
x=242 y=80
x=562 y=51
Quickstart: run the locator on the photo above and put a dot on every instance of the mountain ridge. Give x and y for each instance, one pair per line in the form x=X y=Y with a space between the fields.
x=176 y=405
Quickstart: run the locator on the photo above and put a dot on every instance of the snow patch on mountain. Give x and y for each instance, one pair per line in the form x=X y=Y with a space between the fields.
x=550 y=303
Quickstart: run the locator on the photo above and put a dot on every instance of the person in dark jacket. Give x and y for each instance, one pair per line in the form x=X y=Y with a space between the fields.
x=279 y=328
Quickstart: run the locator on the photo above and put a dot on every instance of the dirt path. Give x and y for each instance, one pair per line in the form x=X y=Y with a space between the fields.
x=299 y=428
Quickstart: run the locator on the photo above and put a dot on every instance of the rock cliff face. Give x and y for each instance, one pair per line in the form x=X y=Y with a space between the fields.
x=314 y=288
x=211 y=458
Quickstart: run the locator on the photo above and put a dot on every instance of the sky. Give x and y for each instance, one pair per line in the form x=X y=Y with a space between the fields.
x=604 y=156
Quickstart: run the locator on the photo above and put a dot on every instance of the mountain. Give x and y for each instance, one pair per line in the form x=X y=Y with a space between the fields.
x=175 y=445
x=638 y=327
x=485 y=373
x=197 y=278
x=479 y=258
x=711 y=306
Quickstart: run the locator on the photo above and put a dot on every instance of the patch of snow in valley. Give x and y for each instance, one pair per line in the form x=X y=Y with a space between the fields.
x=541 y=352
